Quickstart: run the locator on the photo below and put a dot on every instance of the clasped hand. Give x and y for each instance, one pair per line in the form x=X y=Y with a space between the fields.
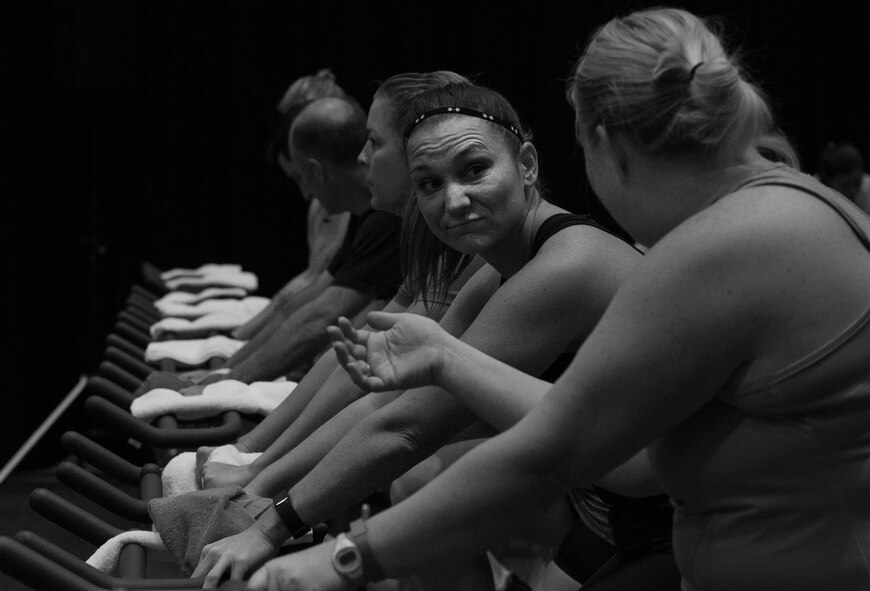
x=405 y=351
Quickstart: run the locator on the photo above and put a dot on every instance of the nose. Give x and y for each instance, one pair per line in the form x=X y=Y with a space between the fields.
x=456 y=200
x=362 y=157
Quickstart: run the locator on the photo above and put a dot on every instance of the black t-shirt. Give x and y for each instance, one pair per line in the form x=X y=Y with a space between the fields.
x=368 y=260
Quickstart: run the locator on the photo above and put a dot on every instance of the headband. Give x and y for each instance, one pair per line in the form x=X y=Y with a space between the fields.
x=465 y=111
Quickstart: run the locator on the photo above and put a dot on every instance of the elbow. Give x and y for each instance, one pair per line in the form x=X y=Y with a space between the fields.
x=396 y=436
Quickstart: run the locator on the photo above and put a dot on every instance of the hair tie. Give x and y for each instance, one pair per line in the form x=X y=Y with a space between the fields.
x=693 y=70
x=464 y=111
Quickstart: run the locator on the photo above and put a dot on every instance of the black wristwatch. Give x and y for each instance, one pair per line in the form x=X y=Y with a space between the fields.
x=289 y=516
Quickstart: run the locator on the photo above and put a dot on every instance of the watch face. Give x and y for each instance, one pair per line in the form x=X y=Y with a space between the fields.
x=347 y=558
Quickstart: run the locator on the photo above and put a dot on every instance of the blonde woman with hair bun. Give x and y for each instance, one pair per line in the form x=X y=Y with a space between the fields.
x=736 y=353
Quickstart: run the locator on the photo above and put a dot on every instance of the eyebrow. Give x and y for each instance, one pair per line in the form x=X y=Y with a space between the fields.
x=472 y=147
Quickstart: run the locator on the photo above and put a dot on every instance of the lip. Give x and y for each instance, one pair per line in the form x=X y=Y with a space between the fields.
x=463 y=224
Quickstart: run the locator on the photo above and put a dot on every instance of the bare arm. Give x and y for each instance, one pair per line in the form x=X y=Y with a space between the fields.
x=287 y=470
x=412 y=351
x=528 y=323
x=593 y=418
x=285 y=302
x=300 y=336
x=323 y=391
x=270 y=429
x=530 y=320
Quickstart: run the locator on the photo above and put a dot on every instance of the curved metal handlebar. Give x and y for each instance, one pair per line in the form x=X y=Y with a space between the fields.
x=132 y=320
x=37 y=571
x=124 y=345
x=119 y=376
x=114 y=393
x=137 y=367
x=105 y=460
x=146 y=293
x=71 y=517
x=132 y=334
x=120 y=420
x=82 y=569
x=100 y=491
x=143 y=318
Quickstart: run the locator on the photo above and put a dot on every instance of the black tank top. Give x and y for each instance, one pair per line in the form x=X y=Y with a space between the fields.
x=552 y=225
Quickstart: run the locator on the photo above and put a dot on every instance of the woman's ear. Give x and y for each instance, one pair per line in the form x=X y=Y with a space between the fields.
x=528 y=159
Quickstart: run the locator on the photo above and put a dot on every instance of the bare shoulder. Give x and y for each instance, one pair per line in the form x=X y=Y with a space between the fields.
x=772 y=264
x=765 y=227
x=582 y=255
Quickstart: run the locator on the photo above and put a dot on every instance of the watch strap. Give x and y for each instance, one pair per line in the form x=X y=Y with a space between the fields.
x=371 y=568
x=289 y=516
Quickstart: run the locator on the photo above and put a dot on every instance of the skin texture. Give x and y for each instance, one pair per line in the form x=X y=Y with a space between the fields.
x=733 y=288
x=479 y=196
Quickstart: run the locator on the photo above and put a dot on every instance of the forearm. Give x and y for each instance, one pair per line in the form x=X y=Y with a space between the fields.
x=493 y=390
x=321 y=383
x=492 y=494
x=288 y=469
x=252 y=327
x=276 y=422
x=338 y=392
x=481 y=382
x=299 y=337
x=287 y=300
x=369 y=457
x=257 y=341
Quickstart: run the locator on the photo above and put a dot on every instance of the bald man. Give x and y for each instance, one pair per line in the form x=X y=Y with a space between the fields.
x=324 y=141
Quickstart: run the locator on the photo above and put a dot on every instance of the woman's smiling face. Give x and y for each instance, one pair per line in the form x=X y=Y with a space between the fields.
x=467 y=181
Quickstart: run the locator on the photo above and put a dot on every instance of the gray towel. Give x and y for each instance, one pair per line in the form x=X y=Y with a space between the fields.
x=189 y=522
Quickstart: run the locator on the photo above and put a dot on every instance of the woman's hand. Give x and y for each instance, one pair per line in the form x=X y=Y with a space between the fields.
x=405 y=352
x=238 y=555
x=308 y=570
x=217 y=475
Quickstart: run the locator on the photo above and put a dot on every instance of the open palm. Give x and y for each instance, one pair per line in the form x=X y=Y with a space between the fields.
x=404 y=351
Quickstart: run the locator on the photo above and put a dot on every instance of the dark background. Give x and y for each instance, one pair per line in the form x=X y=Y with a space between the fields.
x=135 y=130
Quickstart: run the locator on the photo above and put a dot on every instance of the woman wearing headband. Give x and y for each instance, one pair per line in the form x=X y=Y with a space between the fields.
x=737 y=350
x=326 y=389
x=475 y=176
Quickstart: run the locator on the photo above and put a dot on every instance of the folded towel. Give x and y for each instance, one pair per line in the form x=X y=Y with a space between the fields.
x=199 y=328
x=209 y=293
x=249 y=307
x=179 y=474
x=193 y=352
x=200 y=271
x=106 y=556
x=255 y=398
x=189 y=522
x=244 y=279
